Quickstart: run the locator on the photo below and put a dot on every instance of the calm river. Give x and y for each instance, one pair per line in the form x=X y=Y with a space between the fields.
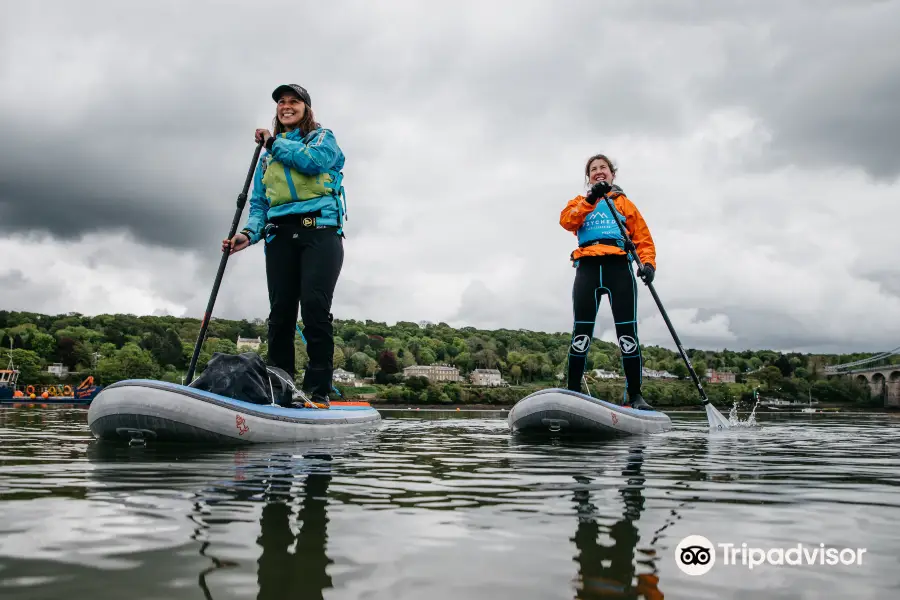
x=451 y=506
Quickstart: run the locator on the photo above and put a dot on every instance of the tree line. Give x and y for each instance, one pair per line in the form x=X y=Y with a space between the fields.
x=115 y=347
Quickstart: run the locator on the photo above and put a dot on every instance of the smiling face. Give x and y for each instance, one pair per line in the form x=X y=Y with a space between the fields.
x=290 y=111
x=599 y=170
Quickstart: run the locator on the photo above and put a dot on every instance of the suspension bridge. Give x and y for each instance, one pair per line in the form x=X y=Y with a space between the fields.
x=876 y=371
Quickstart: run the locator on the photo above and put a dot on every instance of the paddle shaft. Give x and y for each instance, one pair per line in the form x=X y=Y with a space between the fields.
x=630 y=248
x=226 y=252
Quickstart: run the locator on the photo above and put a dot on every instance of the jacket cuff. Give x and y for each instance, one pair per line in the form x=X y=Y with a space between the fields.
x=253 y=237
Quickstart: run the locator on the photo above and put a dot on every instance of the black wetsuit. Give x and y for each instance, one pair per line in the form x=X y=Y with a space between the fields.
x=613 y=276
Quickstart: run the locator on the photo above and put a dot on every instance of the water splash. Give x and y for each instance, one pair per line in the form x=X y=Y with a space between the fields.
x=735 y=419
x=751 y=420
x=733 y=415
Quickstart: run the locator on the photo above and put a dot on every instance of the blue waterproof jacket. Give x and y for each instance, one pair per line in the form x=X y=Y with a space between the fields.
x=301 y=175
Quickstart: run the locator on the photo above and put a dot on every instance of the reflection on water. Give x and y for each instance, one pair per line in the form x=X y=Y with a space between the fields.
x=616 y=578
x=443 y=508
x=293 y=533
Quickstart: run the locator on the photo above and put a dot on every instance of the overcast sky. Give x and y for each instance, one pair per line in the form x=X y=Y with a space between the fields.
x=760 y=140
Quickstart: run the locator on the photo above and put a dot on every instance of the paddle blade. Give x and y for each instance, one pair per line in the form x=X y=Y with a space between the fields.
x=716 y=419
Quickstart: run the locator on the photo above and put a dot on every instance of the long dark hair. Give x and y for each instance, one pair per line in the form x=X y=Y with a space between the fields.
x=307 y=123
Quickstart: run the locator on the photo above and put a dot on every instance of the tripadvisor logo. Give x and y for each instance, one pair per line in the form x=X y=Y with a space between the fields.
x=696 y=555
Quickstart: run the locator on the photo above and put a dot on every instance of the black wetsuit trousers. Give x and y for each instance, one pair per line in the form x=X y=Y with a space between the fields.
x=302 y=269
x=614 y=277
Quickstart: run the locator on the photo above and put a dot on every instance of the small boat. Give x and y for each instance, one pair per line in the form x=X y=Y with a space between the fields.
x=142 y=410
x=562 y=411
x=81 y=395
x=809 y=408
x=43 y=396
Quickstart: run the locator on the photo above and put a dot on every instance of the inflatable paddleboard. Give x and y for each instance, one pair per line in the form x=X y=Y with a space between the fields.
x=562 y=411
x=149 y=410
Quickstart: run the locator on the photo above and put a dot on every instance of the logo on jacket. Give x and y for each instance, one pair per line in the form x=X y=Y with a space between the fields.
x=581 y=343
x=627 y=344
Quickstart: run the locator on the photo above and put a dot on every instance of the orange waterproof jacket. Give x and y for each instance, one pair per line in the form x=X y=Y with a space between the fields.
x=577 y=209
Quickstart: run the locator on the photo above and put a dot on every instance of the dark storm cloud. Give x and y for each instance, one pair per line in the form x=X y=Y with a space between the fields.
x=159 y=140
x=155 y=133
x=823 y=78
x=70 y=209
x=144 y=159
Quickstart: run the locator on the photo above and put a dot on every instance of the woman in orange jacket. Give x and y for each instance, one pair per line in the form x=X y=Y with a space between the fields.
x=604 y=267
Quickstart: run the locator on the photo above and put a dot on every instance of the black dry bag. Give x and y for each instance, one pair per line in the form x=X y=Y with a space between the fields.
x=245 y=377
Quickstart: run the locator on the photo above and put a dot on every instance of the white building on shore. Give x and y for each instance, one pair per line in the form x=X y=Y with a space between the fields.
x=486 y=377
x=433 y=372
x=602 y=374
x=248 y=344
x=653 y=374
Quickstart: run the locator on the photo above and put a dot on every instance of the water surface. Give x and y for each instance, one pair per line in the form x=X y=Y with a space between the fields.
x=447 y=505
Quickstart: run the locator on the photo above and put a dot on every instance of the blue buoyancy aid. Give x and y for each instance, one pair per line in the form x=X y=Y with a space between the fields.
x=600 y=226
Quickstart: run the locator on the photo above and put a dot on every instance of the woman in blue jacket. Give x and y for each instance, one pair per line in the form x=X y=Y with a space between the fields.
x=296 y=207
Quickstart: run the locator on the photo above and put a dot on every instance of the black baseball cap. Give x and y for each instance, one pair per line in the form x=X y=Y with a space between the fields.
x=292 y=87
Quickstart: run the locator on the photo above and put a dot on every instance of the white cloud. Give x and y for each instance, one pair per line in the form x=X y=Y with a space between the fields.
x=465 y=133
x=101 y=274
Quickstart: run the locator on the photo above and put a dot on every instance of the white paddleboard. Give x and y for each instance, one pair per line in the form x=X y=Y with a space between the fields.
x=148 y=410
x=562 y=411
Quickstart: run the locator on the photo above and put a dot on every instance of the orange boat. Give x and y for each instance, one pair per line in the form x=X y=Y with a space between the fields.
x=47 y=394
